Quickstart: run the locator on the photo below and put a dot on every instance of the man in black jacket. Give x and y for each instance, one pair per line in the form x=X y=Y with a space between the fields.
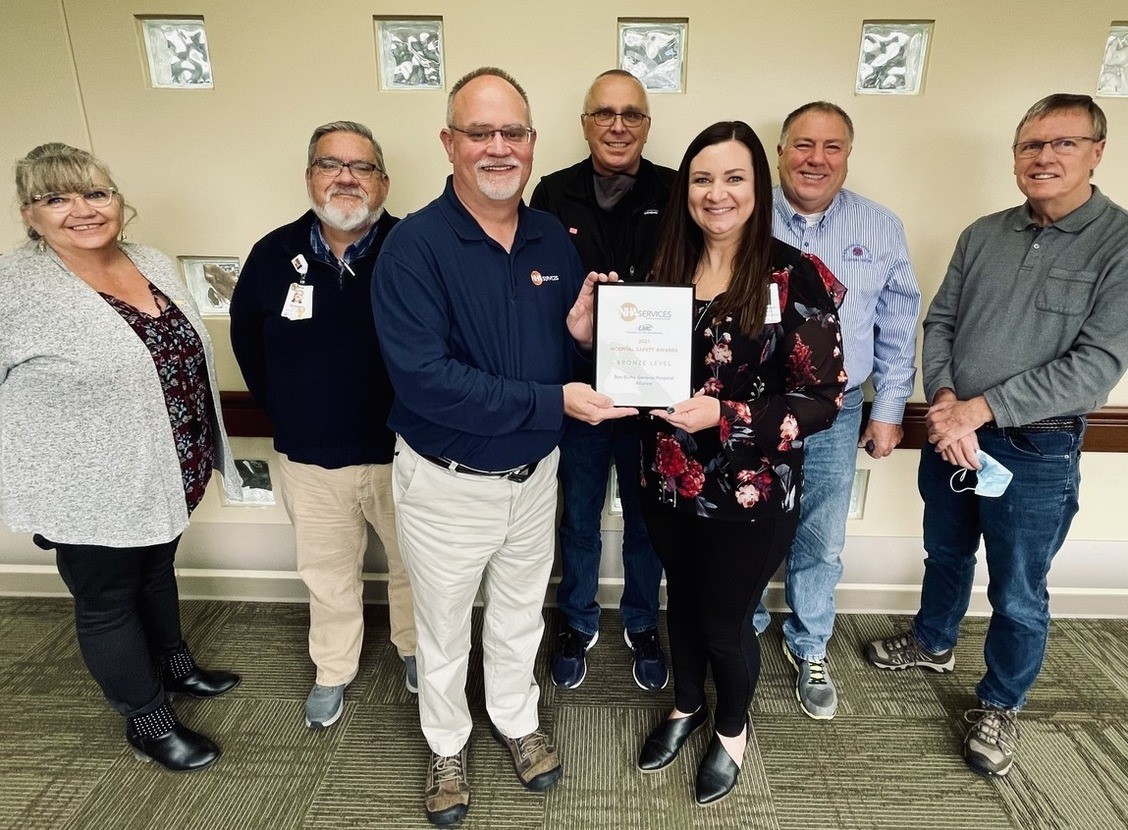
x=302 y=331
x=611 y=205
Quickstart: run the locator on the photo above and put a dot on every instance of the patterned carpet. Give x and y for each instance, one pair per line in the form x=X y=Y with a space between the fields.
x=890 y=759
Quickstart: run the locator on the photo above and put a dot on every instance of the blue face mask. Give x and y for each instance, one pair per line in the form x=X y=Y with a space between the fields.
x=991 y=479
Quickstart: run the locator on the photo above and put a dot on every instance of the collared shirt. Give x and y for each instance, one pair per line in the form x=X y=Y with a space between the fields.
x=474 y=336
x=355 y=251
x=1033 y=318
x=864 y=245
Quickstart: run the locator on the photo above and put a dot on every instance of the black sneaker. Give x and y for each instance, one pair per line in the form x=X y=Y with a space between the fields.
x=649 y=669
x=569 y=662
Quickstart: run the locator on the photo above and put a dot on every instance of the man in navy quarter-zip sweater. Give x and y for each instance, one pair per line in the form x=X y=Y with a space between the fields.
x=302 y=331
x=611 y=204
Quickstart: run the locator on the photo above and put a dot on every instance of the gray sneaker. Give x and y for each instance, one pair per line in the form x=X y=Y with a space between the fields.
x=814 y=689
x=992 y=740
x=410 y=675
x=534 y=759
x=447 y=798
x=902 y=651
x=324 y=705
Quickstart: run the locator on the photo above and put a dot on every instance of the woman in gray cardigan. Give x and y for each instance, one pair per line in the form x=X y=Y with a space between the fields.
x=109 y=430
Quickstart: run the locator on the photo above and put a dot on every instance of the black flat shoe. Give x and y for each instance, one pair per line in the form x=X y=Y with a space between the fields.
x=179 y=750
x=666 y=740
x=202 y=683
x=717 y=774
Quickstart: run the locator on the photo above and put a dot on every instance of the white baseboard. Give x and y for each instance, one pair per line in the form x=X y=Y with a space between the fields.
x=285 y=586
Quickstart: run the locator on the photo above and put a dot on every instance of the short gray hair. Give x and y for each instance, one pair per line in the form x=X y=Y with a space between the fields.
x=59 y=168
x=1066 y=102
x=824 y=107
x=354 y=127
x=480 y=72
x=616 y=73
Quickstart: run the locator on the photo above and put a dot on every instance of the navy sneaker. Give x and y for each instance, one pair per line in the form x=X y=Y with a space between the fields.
x=649 y=670
x=569 y=663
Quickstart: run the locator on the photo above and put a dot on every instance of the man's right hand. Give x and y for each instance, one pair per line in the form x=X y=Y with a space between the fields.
x=585 y=404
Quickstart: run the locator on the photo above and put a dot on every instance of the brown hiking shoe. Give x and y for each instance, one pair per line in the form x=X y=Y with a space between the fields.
x=448 y=792
x=534 y=759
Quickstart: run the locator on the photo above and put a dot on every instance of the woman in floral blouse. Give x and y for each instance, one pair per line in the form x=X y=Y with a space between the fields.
x=722 y=470
x=111 y=431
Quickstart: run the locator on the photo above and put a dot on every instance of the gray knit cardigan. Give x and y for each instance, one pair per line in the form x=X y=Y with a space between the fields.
x=86 y=448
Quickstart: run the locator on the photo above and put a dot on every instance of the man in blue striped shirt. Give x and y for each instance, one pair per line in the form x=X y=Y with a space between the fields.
x=864 y=245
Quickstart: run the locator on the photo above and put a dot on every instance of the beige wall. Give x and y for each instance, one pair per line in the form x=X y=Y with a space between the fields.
x=212 y=170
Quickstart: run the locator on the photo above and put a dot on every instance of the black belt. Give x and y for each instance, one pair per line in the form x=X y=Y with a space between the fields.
x=517 y=474
x=1045 y=425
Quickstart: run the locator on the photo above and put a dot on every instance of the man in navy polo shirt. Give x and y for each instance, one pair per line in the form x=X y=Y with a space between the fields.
x=476 y=305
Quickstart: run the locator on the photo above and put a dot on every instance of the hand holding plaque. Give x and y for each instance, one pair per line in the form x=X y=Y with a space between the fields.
x=643 y=343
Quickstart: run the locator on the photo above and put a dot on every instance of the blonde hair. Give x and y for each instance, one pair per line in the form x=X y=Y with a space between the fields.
x=59 y=168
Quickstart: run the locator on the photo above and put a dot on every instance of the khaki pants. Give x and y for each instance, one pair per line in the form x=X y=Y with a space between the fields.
x=459 y=532
x=330 y=511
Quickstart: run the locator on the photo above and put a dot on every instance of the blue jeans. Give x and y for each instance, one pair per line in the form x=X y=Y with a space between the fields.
x=1022 y=531
x=814 y=565
x=586 y=453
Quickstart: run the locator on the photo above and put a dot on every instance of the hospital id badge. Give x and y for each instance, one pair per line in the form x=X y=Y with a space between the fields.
x=299 y=302
x=774 y=314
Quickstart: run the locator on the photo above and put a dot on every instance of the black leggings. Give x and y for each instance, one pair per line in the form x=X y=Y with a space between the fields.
x=126 y=615
x=716 y=572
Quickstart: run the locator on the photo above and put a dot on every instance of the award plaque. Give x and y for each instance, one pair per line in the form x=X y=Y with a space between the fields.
x=643 y=342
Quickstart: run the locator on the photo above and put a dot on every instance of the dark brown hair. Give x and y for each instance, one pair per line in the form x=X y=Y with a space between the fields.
x=681 y=242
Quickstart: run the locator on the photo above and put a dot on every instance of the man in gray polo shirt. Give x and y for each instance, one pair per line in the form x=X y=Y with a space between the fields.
x=1026 y=334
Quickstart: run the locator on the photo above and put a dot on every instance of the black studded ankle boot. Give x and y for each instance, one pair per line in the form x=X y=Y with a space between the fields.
x=179 y=674
x=160 y=736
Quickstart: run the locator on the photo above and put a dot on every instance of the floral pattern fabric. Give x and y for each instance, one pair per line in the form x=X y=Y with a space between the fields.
x=179 y=357
x=774 y=389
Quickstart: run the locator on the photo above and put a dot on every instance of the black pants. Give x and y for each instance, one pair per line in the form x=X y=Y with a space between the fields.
x=716 y=572
x=126 y=615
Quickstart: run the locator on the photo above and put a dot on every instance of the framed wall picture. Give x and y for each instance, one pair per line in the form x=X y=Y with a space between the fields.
x=654 y=52
x=410 y=52
x=892 y=56
x=177 y=49
x=211 y=281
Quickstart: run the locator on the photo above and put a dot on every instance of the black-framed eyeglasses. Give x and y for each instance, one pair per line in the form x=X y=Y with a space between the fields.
x=332 y=168
x=1066 y=146
x=606 y=117
x=515 y=134
x=99 y=197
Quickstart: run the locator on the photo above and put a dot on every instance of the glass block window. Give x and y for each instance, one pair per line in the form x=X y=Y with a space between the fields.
x=892 y=57
x=178 y=53
x=654 y=52
x=410 y=53
x=1113 y=81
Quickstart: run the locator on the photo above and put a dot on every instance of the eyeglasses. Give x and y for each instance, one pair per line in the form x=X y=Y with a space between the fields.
x=605 y=118
x=1067 y=146
x=332 y=168
x=510 y=135
x=99 y=197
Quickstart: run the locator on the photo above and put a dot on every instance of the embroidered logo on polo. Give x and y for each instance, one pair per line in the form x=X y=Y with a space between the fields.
x=857 y=253
x=538 y=278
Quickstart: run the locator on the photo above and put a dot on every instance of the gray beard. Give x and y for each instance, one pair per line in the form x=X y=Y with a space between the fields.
x=346 y=220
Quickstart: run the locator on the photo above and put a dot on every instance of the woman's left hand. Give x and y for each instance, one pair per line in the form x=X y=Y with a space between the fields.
x=693 y=415
x=580 y=322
